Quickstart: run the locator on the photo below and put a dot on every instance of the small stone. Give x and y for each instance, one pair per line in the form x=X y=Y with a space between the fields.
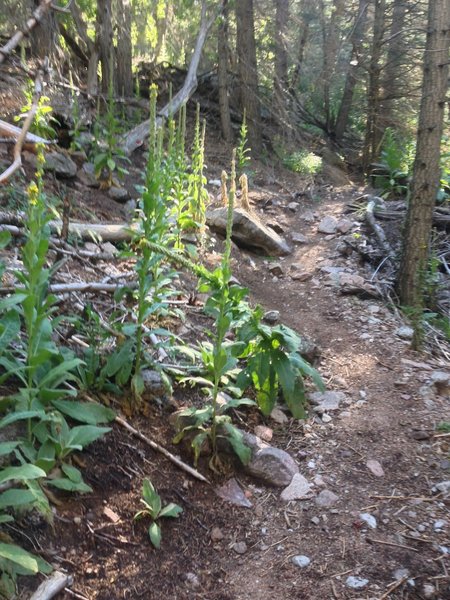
x=215 y=182
x=326 y=498
x=278 y=416
x=326 y=418
x=299 y=238
x=87 y=175
x=216 y=534
x=301 y=276
x=232 y=493
x=439 y=525
x=192 y=580
x=428 y=590
x=344 y=226
x=272 y=316
x=308 y=216
x=443 y=487
x=356 y=583
x=328 y=225
x=301 y=561
x=326 y=401
x=91 y=247
x=109 y=248
x=421 y=528
x=405 y=332
x=119 y=194
x=276 y=269
x=298 y=489
x=369 y=520
x=319 y=481
x=263 y=432
x=293 y=206
x=375 y=467
x=240 y=547
x=400 y=574
x=154 y=384
x=272 y=465
x=315 y=520
x=111 y=515
x=77 y=520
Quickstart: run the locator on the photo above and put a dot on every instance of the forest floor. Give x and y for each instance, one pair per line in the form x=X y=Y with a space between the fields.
x=383 y=532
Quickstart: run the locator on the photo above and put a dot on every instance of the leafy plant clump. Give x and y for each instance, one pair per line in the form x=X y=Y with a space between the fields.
x=154 y=509
x=304 y=163
x=391 y=173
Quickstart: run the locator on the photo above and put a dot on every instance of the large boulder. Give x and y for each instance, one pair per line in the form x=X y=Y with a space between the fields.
x=248 y=231
x=60 y=164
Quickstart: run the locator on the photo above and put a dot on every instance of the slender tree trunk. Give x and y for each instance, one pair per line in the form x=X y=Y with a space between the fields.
x=374 y=134
x=280 y=80
x=248 y=73
x=91 y=49
x=124 y=49
x=307 y=15
x=356 y=40
x=43 y=38
x=426 y=169
x=222 y=73
x=161 y=27
x=104 y=42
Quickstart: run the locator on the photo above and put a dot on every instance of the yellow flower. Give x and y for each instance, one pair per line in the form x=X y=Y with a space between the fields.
x=33 y=193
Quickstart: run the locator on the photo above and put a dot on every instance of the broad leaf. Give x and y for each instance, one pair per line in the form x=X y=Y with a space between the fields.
x=236 y=440
x=70 y=486
x=15 y=498
x=171 y=510
x=85 y=434
x=20 y=557
x=21 y=473
x=154 y=532
x=91 y=413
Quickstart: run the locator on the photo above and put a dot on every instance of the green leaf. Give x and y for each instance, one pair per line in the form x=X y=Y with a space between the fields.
x=12 y=300
x=86 y=434
x=151 y=497
x=15 y=498
x=20 y=557
x=60 y=373
x=70 y=486
x=20 y=473
x=154 y=532
x=236 y=440
x=171 y=510
x=7 y=447
x=5 y=238
x=21 y=416
x=9 y=328
x=91 y=413
x=197 y=444
x=72 y=473
x=111 y=164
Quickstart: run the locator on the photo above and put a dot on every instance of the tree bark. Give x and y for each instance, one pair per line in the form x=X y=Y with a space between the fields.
x=307 y=15
x=248 y=71
x=104 y=42
x=222 y=73
x=43 y=38
x=356 y=40
x=280 y=79
x=124 y=49
x=426 y=169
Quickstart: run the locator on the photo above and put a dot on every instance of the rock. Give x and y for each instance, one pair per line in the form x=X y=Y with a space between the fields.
x=326 y=498
x=91 y=247
x=302 y=276
x=356 y=583
x=344 y=226
x=216 y=534
x=232 y=493
x=30 y=158
x=298 y=489
x=351 y=280
x=309 y=350
x=308 y=216
x=405 y=332
x=275 y=226
x=400 y=574
x=215 y=183
x=428 y=590
x=279 y=416
x=326 y=418
x=299 y=238
x=439 y=525
x=441 y=381
x=192 y=580
x=326 y=401
x=85 y=140
x=327 y=225
x=315 y=520
x=154 y=384
x=293 y=206
x=111 y=515
x=443 y=487
x=240 y=547
x=87 y=175
x=301 y=561
x=263 y=432
x=129 y=208
x=60 y=164
x=272 y=317
x=118 y=194
x=369 y=520
x=248 y=231
x=319 y=481
x=109 y=248
x=276 y=269
x=375 y=467
x=272 y=465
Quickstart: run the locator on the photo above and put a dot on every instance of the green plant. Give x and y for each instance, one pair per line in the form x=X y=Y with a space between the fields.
x=391 y=173
x=274 y=365
x=444 y=426
x=242 y=150
x=198 y=195
x=304 y=162
x=154 y=509
x=77 y=125
x=42 y=120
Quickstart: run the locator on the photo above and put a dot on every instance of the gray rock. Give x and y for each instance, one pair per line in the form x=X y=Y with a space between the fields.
x=301 y=276
x=248 y=231
x=276 y=269
x=279 y=416
x=315 y=520
x=60 y=164
x=308 y=216
x=109 y=248
x=328 y=225
x=351 y=280
x=326 y=418
x=441 y=381
x=375 y=467
x=240 y=547
x=309 y=350
x=439 y=525
x=87 y=176
x=326 y=401
x=299 y=238
x=119 y=194
x=298 y=489
x=192 y=580
x=216 y=534
x=369 y=520
x=344 y=225
x=154 y=384
x=232 y=493
x=91 y=247
x=293 y=206
x=443 y=487
x=428 y=590
x=400 y=574
x=356 y=583
x=272 y=316
x=405 y=332
x=301 y=561
x=326 y=498
x=272 y=465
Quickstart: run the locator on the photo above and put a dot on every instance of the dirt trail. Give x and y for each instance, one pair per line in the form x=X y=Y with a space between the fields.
x=384 y=418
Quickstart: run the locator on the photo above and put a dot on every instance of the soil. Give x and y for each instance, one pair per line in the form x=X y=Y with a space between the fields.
x=386 y=417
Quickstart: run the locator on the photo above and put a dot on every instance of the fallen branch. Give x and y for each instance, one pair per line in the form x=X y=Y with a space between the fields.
x=134 y=138
x=378 y=230
x=52 y=586
x=174 y=459
x=11 y=134
x=81 y=286
x=394 y=586
x=26 y=126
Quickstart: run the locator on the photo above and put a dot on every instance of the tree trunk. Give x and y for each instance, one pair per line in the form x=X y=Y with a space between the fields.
x=43 y=38
x=426 y=169
x=104 y=42
x=124 y=49
x=307 y=15
x=280 y=80
x=374 y=134
x=222 y=73
x=248 y=71
x=356 y=40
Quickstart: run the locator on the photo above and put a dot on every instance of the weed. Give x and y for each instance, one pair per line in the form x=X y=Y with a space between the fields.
x=198 y=196
x=42 y=120
x=304 y=163
x=391 y=174
x=242 y=150
x=154 y=509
